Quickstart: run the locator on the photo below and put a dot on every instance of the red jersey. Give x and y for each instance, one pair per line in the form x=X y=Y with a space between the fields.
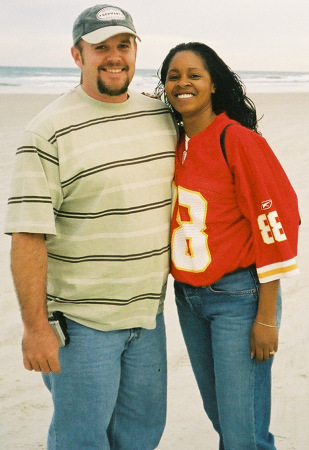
x=227 y=216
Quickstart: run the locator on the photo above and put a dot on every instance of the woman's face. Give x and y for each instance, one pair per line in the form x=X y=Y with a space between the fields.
x=188 y=85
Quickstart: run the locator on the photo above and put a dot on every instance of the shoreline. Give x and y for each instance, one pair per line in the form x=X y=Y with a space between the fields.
x=295 y=90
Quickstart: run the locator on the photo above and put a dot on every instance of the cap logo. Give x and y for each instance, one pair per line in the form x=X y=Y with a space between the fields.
x=110 y=14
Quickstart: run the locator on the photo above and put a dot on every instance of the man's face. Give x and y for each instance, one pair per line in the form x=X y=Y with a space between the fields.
x=108 y=67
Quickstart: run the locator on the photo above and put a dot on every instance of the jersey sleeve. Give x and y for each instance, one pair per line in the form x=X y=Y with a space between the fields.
x=35 y=192
x=267 y=200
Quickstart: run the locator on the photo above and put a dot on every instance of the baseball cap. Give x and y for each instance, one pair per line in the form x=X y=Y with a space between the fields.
x=100 y=22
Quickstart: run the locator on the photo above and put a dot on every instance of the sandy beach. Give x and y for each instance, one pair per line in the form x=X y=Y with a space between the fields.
x=26 y=407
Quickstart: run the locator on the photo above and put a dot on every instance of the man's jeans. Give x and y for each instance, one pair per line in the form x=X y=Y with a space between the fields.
x=111 y=392
x=216 y=321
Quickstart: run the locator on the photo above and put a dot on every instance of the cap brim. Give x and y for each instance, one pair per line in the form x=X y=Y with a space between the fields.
x=101 y=34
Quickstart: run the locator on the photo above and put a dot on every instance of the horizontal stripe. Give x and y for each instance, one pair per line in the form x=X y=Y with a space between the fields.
x=144 y=184
x=279 y=271
x=114 y=235
x=116 y=281
x=117 y=140
x=101 y=120
x=29 y=199
x=115 y=258
x=275 y=271
x=107 y=301
x=43 y=155
x=30 y=226
x=274 y=277
x=113 y=212
x=277 y=265
x=117 y=164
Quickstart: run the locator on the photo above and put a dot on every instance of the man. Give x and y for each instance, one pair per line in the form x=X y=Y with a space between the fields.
x=89 y=215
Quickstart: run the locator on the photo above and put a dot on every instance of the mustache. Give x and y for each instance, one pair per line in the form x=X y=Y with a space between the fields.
x=113 y=66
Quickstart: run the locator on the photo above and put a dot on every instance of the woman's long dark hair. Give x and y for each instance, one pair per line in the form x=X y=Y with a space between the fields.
x=230 y=95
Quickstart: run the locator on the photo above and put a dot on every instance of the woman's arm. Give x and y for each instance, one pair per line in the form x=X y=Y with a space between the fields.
x=264 y=332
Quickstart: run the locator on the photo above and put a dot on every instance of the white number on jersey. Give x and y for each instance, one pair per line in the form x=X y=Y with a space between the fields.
x=271 y=228
x=190 y=250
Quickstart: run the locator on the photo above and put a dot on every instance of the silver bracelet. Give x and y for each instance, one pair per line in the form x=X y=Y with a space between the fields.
x=266 y=325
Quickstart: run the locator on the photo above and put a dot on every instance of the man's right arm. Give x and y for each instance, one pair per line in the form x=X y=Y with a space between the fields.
x=29 y=269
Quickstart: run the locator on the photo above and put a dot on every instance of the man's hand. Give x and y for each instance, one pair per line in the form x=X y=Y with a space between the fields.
x=29 y=268
x=41 y=350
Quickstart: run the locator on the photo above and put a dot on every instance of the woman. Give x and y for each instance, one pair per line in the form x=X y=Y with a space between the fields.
x=234 y=235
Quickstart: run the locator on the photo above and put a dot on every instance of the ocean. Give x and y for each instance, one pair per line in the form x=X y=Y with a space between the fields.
x=55 y=80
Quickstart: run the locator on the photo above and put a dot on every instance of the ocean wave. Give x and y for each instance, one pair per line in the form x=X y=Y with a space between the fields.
x=59 y=80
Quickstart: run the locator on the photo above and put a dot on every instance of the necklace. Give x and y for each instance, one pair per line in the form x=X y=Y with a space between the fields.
x=184 y=153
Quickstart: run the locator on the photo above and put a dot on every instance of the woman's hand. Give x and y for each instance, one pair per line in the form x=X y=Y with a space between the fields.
x=264 y=333
x=264 y=342
x=147 y=94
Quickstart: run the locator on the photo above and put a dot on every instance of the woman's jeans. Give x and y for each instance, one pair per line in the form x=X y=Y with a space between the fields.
x=216 y=321
x=111 y=392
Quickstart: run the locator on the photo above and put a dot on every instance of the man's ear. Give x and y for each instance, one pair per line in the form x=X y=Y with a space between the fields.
x=76 y=56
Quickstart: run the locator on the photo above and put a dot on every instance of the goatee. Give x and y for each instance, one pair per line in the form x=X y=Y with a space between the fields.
x=103 y=89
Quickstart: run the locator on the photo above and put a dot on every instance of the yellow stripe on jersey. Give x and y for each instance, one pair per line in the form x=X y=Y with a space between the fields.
x=271 y=272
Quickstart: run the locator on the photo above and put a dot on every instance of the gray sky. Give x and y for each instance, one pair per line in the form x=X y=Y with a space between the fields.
x=247 y=34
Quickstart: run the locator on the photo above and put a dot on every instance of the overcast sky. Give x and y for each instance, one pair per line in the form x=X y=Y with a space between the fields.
x=247 y=34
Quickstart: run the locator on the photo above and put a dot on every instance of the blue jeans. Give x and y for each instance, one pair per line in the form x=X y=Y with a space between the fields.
x=216 y=321
x=111 y=392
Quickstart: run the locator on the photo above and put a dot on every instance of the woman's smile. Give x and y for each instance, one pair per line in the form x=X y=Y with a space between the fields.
x=189 y=88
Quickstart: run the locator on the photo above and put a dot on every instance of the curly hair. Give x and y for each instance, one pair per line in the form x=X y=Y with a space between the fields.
x=230 y=95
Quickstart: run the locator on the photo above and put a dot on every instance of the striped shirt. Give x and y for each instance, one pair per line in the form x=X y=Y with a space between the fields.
x=95 y=178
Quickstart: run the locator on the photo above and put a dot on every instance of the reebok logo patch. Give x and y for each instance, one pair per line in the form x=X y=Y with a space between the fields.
x=266 y=204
